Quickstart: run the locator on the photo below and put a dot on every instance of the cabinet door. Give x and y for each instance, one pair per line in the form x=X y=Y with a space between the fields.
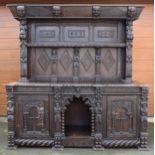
x=122 y=116
x=32 y=116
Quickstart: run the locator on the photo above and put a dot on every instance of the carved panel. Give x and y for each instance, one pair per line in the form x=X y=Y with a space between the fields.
x=65 y=62
x=34 y=119
x=121 y=116
x=47 y=33
x=76 y=33
x=105 y=34
x=87 y=62
x=111 y=63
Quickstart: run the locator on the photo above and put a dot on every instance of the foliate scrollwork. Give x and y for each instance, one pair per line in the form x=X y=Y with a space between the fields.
x=10 y=111
x=98 y=106
x=132 y=12
x=57 y=107
x=129 y=42
x=96 y=11
x=23 y=47
x=144 y=109
x=143 y=112
x=76 y=64
x=21 y=10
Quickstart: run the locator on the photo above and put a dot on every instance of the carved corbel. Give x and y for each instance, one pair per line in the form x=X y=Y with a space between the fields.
x=96 y=11
x=21 y=10
x=131 y=13
x=56 y=10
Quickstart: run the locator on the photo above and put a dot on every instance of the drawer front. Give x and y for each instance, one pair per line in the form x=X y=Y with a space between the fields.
x=122 y=120
x=32 y=116
x=77 y=32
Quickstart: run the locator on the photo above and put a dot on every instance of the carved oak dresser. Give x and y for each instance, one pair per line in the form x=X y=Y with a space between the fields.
x=76 y=87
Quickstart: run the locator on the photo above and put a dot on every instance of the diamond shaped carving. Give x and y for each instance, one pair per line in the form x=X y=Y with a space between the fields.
x=44 y=60
x=108 y=60
x=65 y=60
x=87 y=60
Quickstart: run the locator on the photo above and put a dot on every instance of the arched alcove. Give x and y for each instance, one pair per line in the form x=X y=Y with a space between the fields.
x=77 y=118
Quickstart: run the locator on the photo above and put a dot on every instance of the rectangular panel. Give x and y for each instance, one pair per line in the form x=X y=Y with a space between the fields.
x=111 y=64
x=34 y=115
x=121 y=116
x=105 y=33
x=87 y=63
x=47 y=33
x=41 y=63
x=65 y=63
x=76 y=33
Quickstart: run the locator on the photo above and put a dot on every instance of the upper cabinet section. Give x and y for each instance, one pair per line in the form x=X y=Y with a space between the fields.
x=76 y=33
x=72 y=11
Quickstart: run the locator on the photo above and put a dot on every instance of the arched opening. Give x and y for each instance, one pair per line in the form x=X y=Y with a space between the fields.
x=77 y=118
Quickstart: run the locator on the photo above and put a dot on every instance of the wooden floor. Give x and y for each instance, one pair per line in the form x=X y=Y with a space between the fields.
x=142 y=52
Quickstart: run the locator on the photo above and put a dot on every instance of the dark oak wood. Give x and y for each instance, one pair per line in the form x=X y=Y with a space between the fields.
x=76 y=86
x=79 y=1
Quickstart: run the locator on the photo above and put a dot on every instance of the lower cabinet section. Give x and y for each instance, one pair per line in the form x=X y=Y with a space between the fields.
x=97 y=116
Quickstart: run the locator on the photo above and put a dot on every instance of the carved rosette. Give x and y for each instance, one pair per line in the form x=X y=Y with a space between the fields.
x=10 y=112
x=23 y=49
x=143 y=114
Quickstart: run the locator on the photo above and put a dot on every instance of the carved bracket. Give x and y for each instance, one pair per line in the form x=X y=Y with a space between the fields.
x=132 y=12
x=56 y=10
x=96 y=11
x=21 y=10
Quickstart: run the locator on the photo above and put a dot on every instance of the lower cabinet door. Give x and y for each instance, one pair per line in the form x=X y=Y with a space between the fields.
x=32 y=116
x=122 y=119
